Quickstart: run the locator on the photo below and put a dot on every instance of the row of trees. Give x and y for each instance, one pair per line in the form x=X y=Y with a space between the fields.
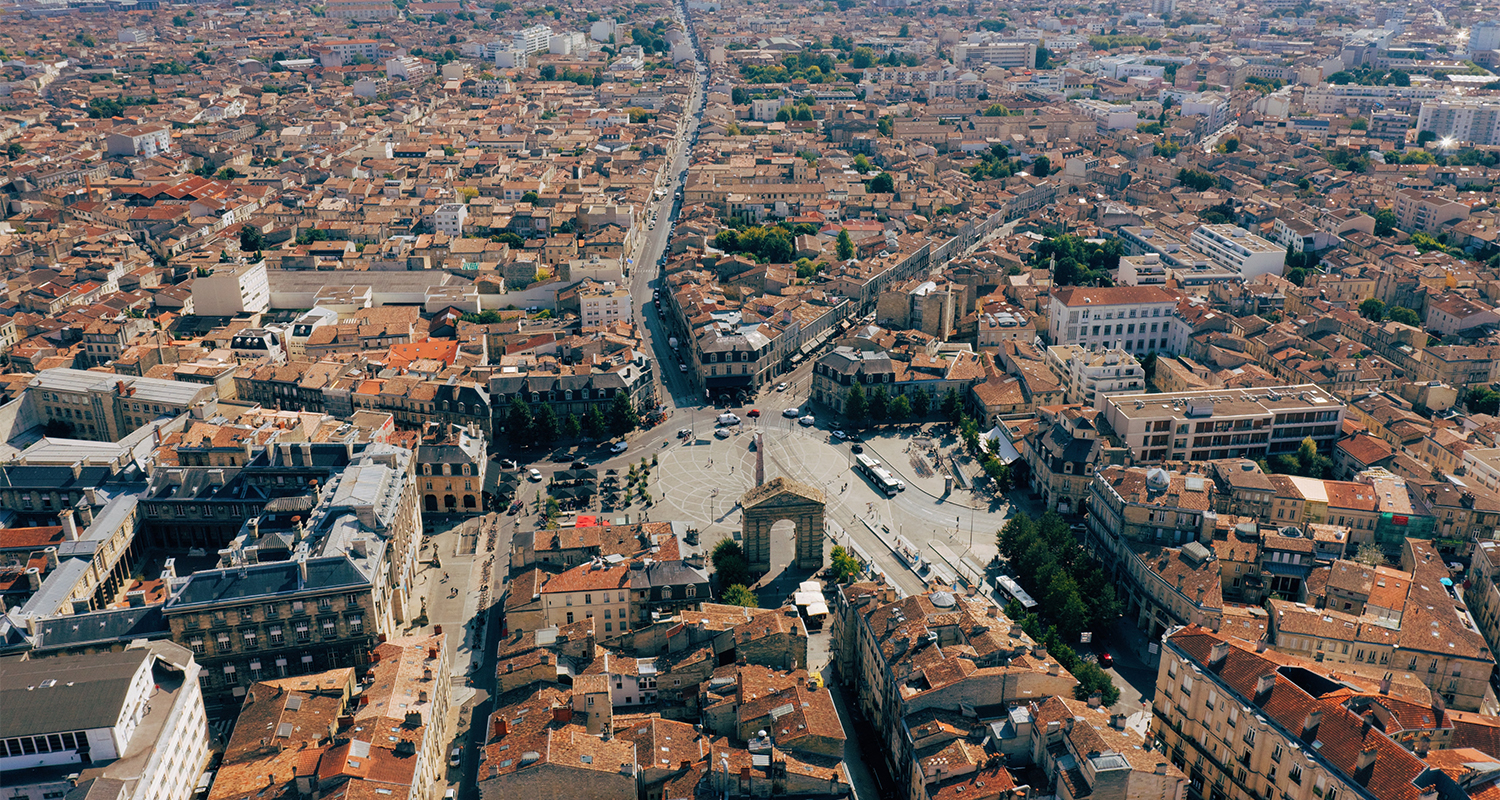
x=879 y=406
x=1307 y=462
x=1055 y=570
x=771 y=245
x=540 y=425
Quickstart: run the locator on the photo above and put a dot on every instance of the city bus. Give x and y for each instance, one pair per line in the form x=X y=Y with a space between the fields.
x=877 y=475
x=1010 y=590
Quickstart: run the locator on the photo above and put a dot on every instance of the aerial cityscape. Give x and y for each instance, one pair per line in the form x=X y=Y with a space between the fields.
x=680 y=399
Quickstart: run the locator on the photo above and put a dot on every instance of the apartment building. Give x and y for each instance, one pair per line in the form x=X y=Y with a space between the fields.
x=1474 y=121
x=1224 y=423
x=269 y=611
x=603 y=304
x=1248 y=724
x=1146 y=269
x=139 y=141
x=1331 y=98
x=935 y=652
x=107 y=408
x=449 y=218
x=1418 y=210
x=1088 y=376
x=1483 y=592
x=132 y=720
x=231 y=290
x=1062 y=453
x=1151 y=529
x=1236 y=248
x=1136 y=319
x=1091 y=754
x=533 y=39
x=598 y=589
x=451 y=465
x=1016 y=54
x=362 y=10
x=1108 y=116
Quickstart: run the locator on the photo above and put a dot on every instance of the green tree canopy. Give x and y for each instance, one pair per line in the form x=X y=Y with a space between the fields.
x=845 y=245
x=731 y=567
x=1372 y=309
x=1405 y=316
x=739 y=595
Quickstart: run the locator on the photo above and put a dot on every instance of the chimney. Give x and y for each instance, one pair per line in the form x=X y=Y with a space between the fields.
x=1366 y=759
x=50 y=554
x=70 y=525
x=301 y=572
x=1385 y=684
x=1040 y=652
x=1096 y=700
x=1369 y=722
x=1217 y=655
x=136 y=598
x=81 y=606
x=498 y=726
x=33 y=578
x=1264 y=683
x=1311 y=721
x=77 y=470
x=562 y=714
x=1438 y=705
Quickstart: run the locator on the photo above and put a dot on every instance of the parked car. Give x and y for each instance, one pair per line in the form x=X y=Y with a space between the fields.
x=618 y=447
x=722 y=433
x=456 y=756
x=840 y=435
x=1106 y=660
x=807 y=420
x=682 y=368
x=580 y=464
x=534 y=474
x=791 y=413
x=508 y=463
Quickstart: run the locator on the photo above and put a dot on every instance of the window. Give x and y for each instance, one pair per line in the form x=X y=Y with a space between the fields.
x=691 y=591
x=1276 y=753
x=1187 y=685
x=1295 y=774
x=275 y=635
x=588 y=599
x=328 y=627
x=666 y=593
x=356 y=624
x=325 y=603
x=570 y=618
x=197 y=644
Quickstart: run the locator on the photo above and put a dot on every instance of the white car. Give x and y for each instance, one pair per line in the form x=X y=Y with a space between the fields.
x=791 y=413
x=807 y=420
x=682 y=368
x=534 y=474
x=723 y=433
x=840 y=435
x=781 y=387
x=728 y=419
x=618 y=447
x=455 y=757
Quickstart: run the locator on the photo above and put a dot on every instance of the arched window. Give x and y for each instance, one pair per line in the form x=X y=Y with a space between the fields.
x=666 y=593
x=691 y=591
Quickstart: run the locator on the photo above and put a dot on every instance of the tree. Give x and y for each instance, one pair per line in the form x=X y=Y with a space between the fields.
x=594 y=424
x=952 y=406
x=730 y=565
x=1372 y=309
x=843 y=563
x=783 y=115
x=1385 y=222
x=1231 y=144
x=863 y=57
x=1405 y=316
x=544 y=426
x=251 y=239
x=885 y=125
x=622 y=417
x=880 y=404
x=529 y=197
x=845 y=245
x=905 y=31
x=1041 y=167
x=738 y=595
x=1196 y=180
x=518 y=422
x=1314 y=464
x=883 y=184
x=1359 y=124
x=856 y=406
x=14 y=150
x=1482 y=400
x=804 y=114
x=572 y=427
x=1370 y=554
x=862 y=164
x=921 y=403
x=1092 y=678
x=900 y=407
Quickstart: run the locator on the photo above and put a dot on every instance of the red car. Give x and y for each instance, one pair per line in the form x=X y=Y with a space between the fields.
x=1106 y=660
x=754 y=412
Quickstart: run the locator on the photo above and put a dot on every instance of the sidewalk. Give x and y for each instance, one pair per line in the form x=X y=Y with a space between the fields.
x=898 y=451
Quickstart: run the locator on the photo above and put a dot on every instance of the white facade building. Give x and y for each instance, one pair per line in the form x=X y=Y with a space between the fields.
x=1136 y=319
x=1234 y=247
x=535 y=39
x=601 y=304
x=134 y=716
x=232 y=290
x=449 y=218
x=1088 y=376
x=1109 y=116
x=1475 y=121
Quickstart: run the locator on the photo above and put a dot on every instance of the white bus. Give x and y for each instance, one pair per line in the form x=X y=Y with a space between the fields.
x=877 y=475
x=1010 y=590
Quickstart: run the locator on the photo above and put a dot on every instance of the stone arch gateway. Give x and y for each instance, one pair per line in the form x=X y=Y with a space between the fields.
x=776 y=500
